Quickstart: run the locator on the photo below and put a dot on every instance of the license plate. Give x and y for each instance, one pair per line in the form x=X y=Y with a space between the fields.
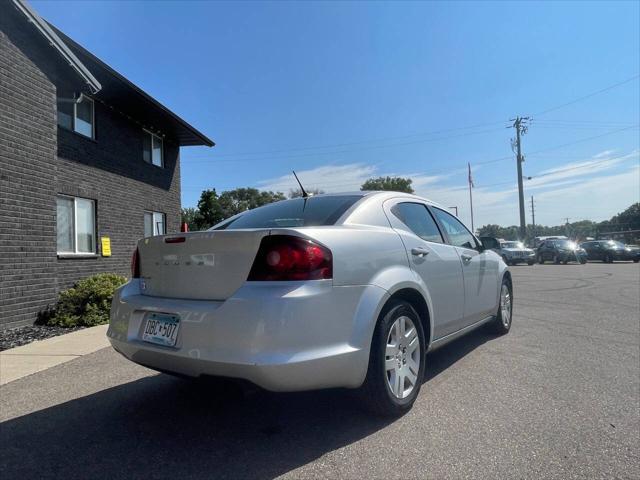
x=161 y=329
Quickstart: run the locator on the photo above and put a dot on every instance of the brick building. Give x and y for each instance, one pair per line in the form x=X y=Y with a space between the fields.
x=88 y=161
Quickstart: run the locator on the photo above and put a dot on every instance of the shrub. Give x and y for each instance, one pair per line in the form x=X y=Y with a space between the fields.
x=87 y=303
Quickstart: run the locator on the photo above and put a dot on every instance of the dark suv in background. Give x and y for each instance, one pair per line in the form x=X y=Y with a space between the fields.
x=560 y=251
x=610 y=250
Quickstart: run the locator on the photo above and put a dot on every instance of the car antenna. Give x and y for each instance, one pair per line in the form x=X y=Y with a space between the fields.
x=304 y=192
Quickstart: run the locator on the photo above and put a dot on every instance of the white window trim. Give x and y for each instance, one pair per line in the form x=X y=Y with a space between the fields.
x=158 y=137
x=75 y=251
x=154 y=224
x=93 y=116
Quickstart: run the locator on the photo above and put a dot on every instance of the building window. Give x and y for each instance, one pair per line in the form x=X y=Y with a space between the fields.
x=154 y=224
x=152 y=149
x=76 y=222
x=77 y=114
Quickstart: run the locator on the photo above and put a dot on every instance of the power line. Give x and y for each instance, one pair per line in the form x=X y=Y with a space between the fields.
x=337 y=152
x=361 y=142
x=583 y=140
x=592 y=94
x=577 y=167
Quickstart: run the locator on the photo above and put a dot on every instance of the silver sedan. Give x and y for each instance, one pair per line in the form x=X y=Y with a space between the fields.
x=342 y=290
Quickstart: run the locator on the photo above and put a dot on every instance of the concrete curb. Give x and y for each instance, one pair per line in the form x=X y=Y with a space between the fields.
x=40 y=355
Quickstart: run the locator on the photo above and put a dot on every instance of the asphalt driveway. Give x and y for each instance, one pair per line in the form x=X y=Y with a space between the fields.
x=559 y=397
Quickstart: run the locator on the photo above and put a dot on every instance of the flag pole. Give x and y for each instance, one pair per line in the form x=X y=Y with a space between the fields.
x=471 y=198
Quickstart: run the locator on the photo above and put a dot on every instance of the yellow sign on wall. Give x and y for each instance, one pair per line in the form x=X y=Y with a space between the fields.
x=106 y=246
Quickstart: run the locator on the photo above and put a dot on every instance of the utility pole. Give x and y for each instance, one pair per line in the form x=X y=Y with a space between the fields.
x=533 y=217
x=566 y=225
x=471 y=198
x=520 y=124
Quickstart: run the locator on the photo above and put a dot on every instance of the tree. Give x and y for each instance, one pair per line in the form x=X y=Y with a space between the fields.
x=209 y=209
x=214 y=208
x=394 y=184
x=241 y=199
x=191 y=216
x=296 y=192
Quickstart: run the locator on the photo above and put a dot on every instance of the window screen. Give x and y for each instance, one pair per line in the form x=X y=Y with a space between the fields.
x=84 y=117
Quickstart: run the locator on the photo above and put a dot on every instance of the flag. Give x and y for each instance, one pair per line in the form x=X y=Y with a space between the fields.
x=470 y=178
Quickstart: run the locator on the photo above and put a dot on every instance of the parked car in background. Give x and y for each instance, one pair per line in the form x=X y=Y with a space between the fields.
x=538 y=240
x=610 y=250
x=341 y=290
x=559 y=250
x=512 y=252
x=634 y=250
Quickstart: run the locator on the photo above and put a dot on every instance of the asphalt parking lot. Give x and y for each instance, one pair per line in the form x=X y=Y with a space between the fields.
x=556 y=398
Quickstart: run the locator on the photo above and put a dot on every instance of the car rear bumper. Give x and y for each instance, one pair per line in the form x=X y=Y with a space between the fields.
x=282 y=336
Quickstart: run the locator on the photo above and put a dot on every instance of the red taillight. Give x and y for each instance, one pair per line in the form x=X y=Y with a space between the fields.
x=283 y=257
x=174 y=240
x=135 y=264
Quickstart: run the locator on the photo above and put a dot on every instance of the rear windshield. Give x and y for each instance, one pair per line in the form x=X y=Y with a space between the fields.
x=297 y=212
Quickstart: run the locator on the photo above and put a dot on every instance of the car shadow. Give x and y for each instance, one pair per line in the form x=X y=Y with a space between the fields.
x=441 y=359
x=164 y=427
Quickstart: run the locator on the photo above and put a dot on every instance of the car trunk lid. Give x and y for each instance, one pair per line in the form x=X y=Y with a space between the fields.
x=208 y=265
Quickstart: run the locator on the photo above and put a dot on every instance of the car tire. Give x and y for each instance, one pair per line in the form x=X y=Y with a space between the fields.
x=583 y=261
x=540 y=260
x=376 y=391
x=501 y=324
x=556 y=259
x=564 y=262
x=530 y=263
x=636 y=260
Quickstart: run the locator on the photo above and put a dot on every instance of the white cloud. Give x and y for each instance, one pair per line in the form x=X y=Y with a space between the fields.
x=340 y=178
x=579 y=190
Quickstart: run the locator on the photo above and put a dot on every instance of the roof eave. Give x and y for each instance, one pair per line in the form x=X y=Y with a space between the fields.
x=58 y=44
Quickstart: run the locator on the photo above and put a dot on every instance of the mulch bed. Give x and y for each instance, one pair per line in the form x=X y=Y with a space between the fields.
x=15 y=337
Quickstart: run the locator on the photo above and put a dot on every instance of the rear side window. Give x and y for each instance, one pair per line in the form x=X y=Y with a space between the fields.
x=458 y=234
x=419 y=220
x=297 y=212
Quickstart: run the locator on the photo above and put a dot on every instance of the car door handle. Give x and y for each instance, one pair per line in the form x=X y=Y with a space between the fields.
x=465 y=258
x=419 y=252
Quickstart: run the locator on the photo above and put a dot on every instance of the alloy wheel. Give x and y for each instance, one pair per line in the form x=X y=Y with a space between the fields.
x=505 y=305
x=402 y=357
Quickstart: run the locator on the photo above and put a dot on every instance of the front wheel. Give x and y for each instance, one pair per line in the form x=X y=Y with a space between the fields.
x=531 y=262
x=396 y=361
x=502 y=323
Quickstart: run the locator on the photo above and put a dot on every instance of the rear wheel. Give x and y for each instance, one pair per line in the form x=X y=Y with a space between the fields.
x=396 y=361
x=502 y=323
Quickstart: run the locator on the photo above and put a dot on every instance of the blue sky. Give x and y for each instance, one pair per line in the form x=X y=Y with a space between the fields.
x=344 y=91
